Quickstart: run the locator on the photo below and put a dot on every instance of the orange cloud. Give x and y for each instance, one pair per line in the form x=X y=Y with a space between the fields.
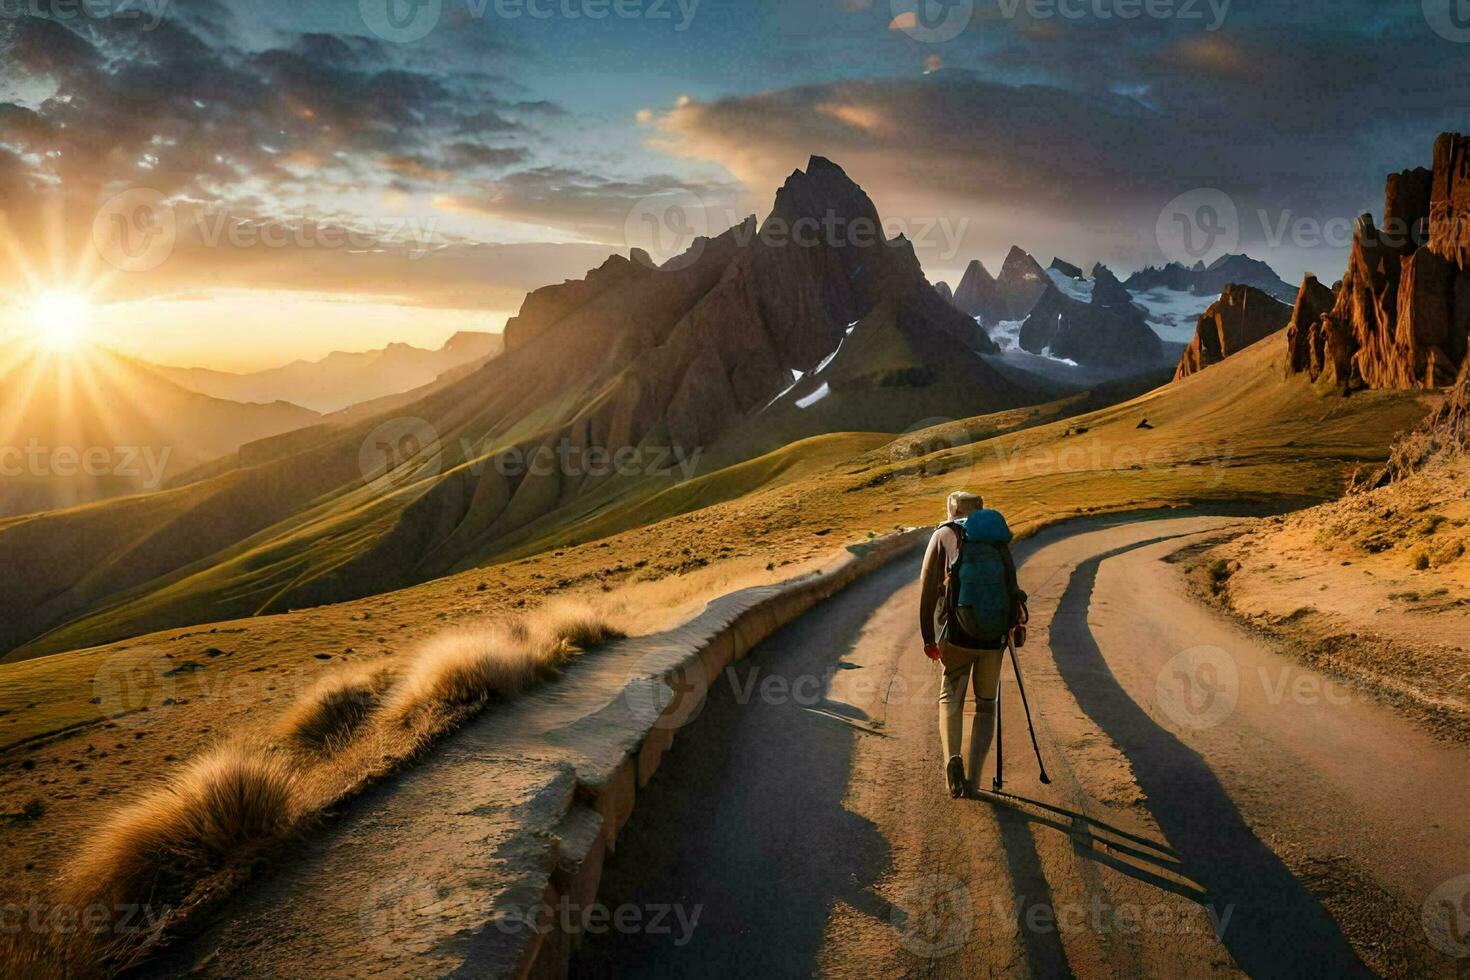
x=864 y=117
x=1217 y=55
x=410 y=167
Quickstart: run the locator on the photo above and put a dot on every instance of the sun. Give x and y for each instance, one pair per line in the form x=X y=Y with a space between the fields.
x=60 y=321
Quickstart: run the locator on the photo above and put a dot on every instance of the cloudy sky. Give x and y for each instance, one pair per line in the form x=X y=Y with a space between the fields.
x=240 y=183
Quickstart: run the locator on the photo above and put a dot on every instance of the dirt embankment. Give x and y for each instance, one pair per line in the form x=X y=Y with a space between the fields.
x=1374 y=587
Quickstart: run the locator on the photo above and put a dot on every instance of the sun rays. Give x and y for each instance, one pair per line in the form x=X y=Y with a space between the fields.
x=48 y=298
x=61 y=395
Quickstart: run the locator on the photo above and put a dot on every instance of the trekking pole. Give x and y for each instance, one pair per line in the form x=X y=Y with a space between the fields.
x=1045 y=779
x=999 y=742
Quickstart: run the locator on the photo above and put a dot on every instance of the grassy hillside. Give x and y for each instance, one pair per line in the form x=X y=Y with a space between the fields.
x=1233 y=430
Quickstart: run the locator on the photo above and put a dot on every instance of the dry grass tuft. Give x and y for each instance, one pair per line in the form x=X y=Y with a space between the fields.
x=472 y=665
x=215 y=812
x=562 y=631
x=331 y=712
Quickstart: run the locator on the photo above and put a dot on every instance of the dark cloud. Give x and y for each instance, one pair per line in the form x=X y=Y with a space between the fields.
x=167 y=108
x=259 y=132
x=478 y=155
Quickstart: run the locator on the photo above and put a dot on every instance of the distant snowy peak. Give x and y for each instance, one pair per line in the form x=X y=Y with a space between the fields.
x=1211 y=281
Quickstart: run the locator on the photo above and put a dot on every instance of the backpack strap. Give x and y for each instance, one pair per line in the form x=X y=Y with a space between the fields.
x=958 y=527
x=951 y=583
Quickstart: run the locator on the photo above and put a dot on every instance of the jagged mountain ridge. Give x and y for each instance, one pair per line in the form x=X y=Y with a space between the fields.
x=1102 y=323
x=691 y=356
x=1211 y=280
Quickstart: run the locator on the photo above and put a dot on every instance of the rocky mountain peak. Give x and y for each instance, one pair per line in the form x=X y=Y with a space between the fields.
x=978 y=296
x=1107 y=291
x=1065 y=268
x=1063 y=327
x=1022 y=280
x=549 y=304
x=824 y=194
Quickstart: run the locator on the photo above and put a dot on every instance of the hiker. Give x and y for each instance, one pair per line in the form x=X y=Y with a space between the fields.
x=968 y=603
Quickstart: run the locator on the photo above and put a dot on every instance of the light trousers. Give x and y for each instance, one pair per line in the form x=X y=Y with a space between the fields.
x=980 y=670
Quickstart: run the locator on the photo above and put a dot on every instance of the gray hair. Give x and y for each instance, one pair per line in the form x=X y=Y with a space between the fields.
x=963 y=503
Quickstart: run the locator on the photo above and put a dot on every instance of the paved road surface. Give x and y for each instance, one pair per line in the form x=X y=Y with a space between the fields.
x=1215 y=807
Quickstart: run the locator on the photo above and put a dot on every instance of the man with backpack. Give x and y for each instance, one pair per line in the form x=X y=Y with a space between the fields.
x=968 y=603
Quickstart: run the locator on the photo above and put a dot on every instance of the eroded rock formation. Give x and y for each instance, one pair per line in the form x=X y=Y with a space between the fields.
x=1401 y=315
x=1240 y=317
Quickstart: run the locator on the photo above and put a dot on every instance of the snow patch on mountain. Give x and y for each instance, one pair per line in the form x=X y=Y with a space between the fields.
x=1173 y=314
x=1078 y=289
x=809 y=400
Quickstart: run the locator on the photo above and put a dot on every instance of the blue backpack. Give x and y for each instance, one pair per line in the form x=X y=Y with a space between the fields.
x=978 y=588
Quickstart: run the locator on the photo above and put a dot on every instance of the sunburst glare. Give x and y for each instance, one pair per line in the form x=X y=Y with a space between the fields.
x=60 y=321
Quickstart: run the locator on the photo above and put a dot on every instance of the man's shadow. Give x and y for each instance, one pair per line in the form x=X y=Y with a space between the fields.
x=1275 y=927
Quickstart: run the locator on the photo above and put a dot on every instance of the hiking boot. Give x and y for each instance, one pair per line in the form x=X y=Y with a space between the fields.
x=954 y=774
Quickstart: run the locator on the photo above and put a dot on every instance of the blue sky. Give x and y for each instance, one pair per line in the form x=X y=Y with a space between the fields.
x=519 y=146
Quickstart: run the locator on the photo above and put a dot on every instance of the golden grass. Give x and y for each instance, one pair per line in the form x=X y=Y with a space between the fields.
x=328 y=714
x=218 y=809
x=472 y=665
x=129 y=875
x=187 y=843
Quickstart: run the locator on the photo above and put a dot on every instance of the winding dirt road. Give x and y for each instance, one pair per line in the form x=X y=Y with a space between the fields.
x=1216 y=807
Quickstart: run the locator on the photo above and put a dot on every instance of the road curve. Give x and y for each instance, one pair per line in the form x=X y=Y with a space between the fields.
x=1216 y=807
